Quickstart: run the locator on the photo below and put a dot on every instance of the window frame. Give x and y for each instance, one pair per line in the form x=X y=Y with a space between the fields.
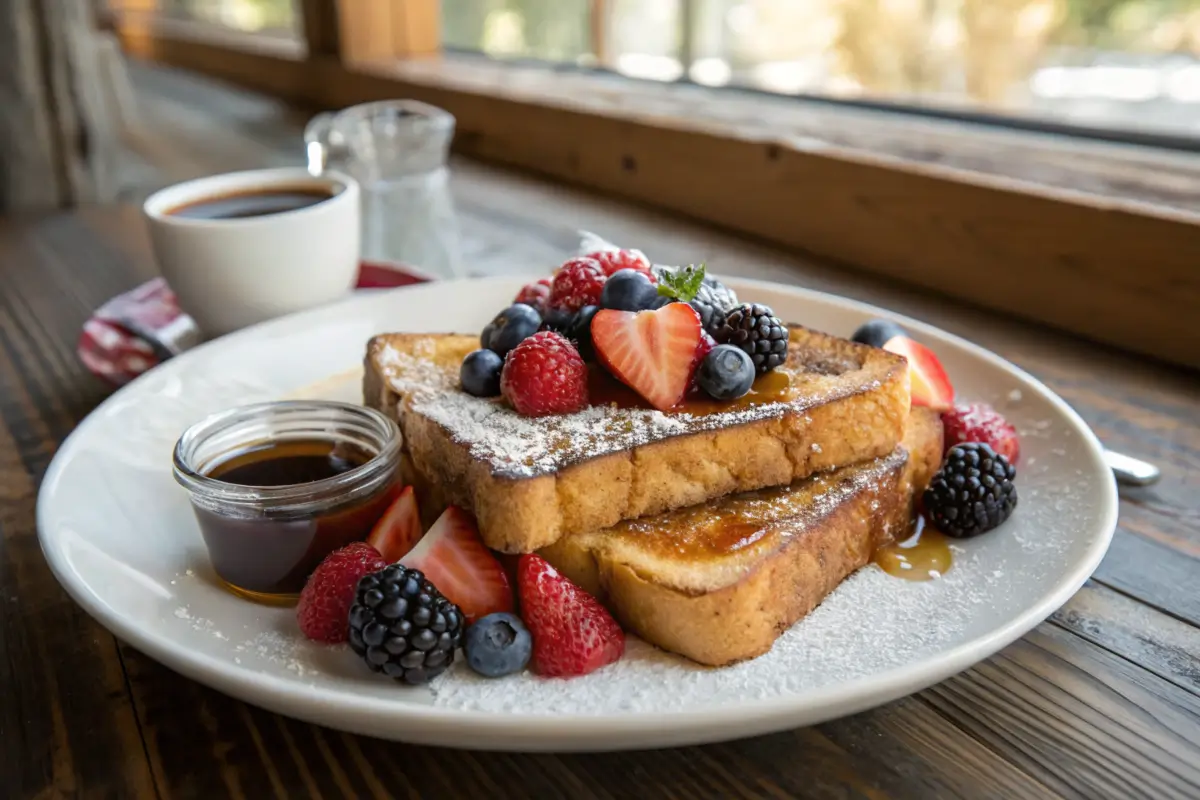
x=1116 y=269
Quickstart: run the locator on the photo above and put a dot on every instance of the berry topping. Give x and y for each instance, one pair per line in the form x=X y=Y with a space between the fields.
x=628 y=290
x=497 y=645
x=572 y=633
x=755 y=328
x=877 y=332
x=545 y=375
x=726 y=373
x=326 y=598
x=580 y=332
x=536 y=294
x=711 y=298
x=480 y=373
x=652 y=352
x=705 y=346
x=398 y=530
x=613 y=261
x=930 y=384
x=972 y=493
x=511 y=326
x=402 y=626
x=577 y=283
x=454 y=557
x=558 y=320
x=979 y=422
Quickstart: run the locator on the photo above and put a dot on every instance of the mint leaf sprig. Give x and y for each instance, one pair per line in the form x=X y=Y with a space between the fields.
x=681 y=284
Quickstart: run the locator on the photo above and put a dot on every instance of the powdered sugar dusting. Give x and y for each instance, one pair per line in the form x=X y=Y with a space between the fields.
x=870 y=624
x=520 y=447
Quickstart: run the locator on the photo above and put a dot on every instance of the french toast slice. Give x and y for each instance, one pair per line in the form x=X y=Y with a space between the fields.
x=720 y=582
x=530 y=481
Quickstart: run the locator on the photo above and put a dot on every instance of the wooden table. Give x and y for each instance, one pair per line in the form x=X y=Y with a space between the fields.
x=1102 y=700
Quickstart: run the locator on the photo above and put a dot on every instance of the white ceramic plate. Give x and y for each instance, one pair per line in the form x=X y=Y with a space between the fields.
x=119 y=534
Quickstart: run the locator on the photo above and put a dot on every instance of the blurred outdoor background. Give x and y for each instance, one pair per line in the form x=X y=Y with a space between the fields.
x=1120 y=64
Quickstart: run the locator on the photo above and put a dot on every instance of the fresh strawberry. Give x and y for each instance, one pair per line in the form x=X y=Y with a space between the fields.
x=613 y=260
x=326 y=599
x=536 y=294
x=455 y=560
x=572 y=633
x=398 y=529
x=655 y=353
x=545 y=375
x=931 y=386
x=979 y=422
x=577 y=283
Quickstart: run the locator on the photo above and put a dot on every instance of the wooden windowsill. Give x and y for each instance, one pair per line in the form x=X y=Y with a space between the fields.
x=1081 y=167
x=1097 y=239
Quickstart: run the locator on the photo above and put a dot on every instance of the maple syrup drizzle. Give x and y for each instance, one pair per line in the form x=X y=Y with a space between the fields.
x=604 y=390
x=924 y=556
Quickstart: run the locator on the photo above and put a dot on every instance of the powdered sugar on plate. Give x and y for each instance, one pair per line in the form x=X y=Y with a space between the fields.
x=870 y=624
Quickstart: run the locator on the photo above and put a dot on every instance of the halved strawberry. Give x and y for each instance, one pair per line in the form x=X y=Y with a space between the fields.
x=930 y=385
x=652 y=352
x=455 y=560
x=398 y=529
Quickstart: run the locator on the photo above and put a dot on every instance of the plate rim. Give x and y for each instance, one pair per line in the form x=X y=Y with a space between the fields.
x=418 y=722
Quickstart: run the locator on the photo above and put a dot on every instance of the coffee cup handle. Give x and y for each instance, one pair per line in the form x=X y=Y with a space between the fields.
x=320 y=141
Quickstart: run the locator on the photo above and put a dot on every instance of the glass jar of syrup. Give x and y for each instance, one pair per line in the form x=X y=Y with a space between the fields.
x=276 y=487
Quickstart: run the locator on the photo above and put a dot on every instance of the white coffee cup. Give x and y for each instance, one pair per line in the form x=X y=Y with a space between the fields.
x=236 y=271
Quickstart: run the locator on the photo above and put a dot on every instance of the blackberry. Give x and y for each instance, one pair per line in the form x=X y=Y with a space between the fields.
x=712 y=302
x=402 y=626
x=755 y=328
x=972 y=493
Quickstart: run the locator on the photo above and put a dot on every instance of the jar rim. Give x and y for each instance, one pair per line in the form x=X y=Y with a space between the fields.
x=294 y=495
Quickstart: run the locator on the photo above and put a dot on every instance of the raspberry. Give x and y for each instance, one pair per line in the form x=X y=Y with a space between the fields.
x=578 y=283
x=545 y=375
x=536 y=294
x=614 y=260
x=979 y=422
x=327 y=597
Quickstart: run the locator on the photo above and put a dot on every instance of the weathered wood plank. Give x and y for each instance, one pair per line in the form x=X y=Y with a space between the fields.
x=1162 y=644
x=67 y=725
x=1079 y=718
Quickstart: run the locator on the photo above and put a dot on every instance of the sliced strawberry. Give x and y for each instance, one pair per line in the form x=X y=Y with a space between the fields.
x=930 y=385
x=398 y=529
x=455 y=560
x=652 y=352
x=572 y=633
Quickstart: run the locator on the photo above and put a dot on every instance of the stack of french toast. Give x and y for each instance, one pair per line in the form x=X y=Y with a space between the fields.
x=705 y=470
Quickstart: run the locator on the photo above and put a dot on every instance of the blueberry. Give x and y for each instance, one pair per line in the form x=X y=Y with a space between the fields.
x=628 y=290
x=661 y=300
x=580 y=332
x=727 y=372
x=557 y=320
x=513 y=325
x=877 y=332
x=498 y=644
x=480 y=373
x=485 y=338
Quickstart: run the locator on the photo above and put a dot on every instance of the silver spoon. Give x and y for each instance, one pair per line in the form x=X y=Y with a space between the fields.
x=1131 y=471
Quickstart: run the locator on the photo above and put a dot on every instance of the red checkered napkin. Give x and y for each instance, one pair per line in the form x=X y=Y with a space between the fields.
x=143 y=327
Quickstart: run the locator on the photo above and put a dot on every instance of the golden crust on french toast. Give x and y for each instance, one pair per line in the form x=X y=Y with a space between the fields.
x=718 y=583
x=531 y=481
